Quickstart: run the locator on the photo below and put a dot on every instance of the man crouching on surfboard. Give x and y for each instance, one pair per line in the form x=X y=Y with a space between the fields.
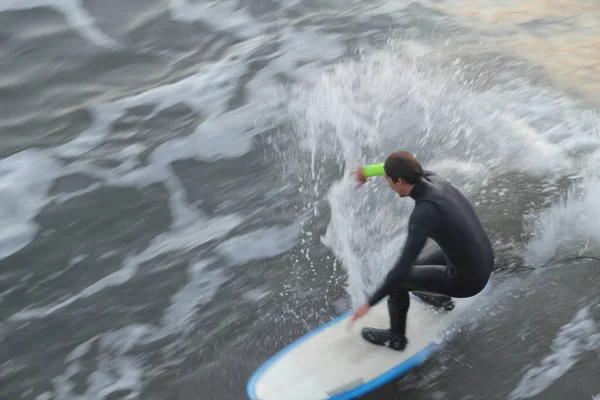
x=460 y=269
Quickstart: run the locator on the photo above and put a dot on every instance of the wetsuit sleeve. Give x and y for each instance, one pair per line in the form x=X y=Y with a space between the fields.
x=373 y=170
x=422 y=221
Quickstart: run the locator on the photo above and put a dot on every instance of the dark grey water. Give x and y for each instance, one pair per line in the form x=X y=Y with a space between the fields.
x=176 y=203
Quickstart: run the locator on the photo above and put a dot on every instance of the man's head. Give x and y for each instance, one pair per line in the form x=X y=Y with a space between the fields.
x=402 y=171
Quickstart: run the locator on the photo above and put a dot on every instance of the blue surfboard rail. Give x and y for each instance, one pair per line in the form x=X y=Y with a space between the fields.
x=367 y=387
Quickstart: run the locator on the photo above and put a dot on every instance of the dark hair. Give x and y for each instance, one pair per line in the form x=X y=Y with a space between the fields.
x=402 y=165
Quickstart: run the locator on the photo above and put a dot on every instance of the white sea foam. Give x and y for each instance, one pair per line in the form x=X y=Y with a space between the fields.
x=573 y=339
x=200 y=289
x=25 y=179
x=224 y=15
x=186 y=239
x=116 y=278
x=206 y=93
x=568 y=226
x=44 y=396
x=312 y=48
x=120 y=370
x=117 y=366
x=263 y=243
x=222 y=134
x=75 y=14
x=117 y=369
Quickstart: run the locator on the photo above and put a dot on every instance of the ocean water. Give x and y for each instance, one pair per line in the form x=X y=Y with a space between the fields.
x=177 y=202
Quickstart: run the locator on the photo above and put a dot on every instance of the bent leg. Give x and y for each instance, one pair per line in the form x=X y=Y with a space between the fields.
x=436 y=259
x=431 y=276
x=438 y=279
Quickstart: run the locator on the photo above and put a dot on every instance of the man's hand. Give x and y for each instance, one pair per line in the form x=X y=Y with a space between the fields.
x=359 y=175
x=361 y=312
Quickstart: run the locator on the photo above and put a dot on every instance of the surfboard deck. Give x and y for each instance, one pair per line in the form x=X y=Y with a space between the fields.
x=335 y=362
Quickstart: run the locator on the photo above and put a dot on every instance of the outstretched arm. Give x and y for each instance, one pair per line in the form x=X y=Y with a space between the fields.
x=423 y=219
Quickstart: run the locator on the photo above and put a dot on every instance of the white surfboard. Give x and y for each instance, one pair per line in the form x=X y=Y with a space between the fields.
x=334 y=362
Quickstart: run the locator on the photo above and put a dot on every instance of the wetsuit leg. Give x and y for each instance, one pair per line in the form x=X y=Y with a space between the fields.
x=435 y=258
x=439 y=279
x=434 y=277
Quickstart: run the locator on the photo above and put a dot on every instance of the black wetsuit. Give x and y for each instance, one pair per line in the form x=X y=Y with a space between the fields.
x=460 y=269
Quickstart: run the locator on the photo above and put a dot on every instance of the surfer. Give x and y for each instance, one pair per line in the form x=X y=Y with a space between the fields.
x=460 y=268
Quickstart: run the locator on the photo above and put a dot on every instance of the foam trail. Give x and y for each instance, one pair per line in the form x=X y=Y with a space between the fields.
x=573 y=339
x=260 y=244
x=115 y=279
x=101 y=117
x=220 y=16
x=567 y=226
x=117 y=370
x=200 y=289
x=75 y=13
x=204 y=283
x=25 y=179
x=299 y=46
x=206 y=93
x=201 y=231
x=221 y=134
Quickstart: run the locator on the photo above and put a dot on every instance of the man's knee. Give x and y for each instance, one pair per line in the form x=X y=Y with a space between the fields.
x=435 y=257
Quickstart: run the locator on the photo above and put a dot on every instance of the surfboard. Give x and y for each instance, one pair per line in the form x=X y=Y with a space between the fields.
x=335 y=362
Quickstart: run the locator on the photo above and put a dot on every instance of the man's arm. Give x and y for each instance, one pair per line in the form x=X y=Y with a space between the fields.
x=373 y=170
x=362 y=174
x=423 y=219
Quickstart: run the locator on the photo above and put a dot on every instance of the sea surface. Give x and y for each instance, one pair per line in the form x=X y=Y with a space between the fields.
x=177 y=205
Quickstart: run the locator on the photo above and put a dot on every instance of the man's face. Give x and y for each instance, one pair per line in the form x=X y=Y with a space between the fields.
x=401 y=187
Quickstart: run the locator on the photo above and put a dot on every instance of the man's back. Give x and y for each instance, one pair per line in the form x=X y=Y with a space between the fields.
x=458 y=230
